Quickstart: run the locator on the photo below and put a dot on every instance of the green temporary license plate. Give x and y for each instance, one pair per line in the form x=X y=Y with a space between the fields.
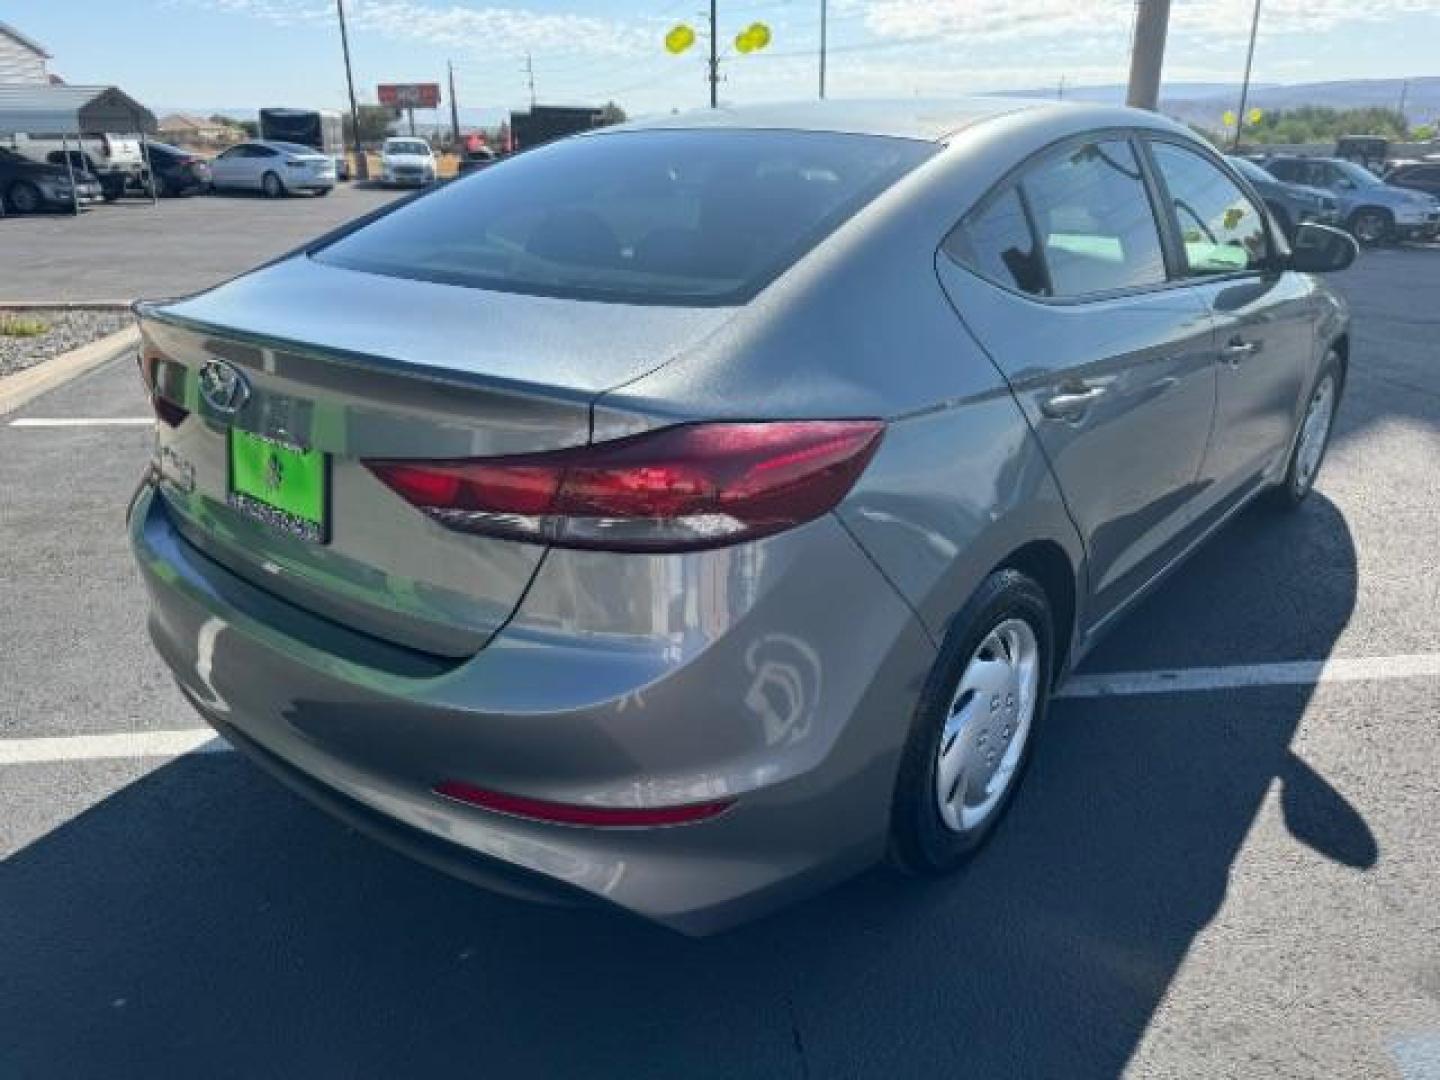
x=280 y=485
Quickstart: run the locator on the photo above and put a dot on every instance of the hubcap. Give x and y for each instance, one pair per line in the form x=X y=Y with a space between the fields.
x=988 y=725
x=1314 y=433
x=1369 y=228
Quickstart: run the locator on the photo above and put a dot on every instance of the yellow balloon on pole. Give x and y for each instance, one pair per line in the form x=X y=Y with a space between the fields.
x=743 y=42
x=1254 y=116
x=759 y=35
x=680 y=38
x=1228 y=119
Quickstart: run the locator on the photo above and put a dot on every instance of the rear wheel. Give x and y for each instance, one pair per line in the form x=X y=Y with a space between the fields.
x=24 y=198
x=161 y=186
x=1371 y=226
x=1313 y=438
x=970 y=741
x=271 y=185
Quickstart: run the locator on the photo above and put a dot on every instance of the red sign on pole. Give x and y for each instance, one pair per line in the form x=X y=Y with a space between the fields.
x=410 y=95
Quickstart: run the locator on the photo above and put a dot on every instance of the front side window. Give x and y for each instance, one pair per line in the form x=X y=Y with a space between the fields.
x=1222 y=231
x=1094 y=221
x=645 y=217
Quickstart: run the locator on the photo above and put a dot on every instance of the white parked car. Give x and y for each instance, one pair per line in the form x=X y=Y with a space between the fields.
x=407 y=161
x=275 y=168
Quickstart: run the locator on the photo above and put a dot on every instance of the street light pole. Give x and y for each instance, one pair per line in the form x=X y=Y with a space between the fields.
x=714 y=60
x=823 y=5
x=1152 y=20
x=1245 y=83
x=362 y=167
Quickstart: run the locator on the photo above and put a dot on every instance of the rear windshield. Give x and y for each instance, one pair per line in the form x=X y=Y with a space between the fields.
x=648 y=217
x=293 y=147
x=414 y=147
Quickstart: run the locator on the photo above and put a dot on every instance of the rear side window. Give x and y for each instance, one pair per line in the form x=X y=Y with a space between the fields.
x=997 y=243
x=1090 y=227
x=677 y=217
x=1222 y=231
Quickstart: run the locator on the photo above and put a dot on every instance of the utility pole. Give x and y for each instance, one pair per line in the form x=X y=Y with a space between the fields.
x=1060 y=90
x=1404 y=93
x=714 y=60
x=362 y=167
x=823 y=5
x=1245 y=83
x=1152 y=20
x=530 y=78
x=454 y=106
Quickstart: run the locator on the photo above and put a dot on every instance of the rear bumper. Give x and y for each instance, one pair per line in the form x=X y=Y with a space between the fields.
x=800 y=720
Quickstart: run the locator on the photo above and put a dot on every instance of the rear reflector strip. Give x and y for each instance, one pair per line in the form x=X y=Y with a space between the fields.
x=605 y=817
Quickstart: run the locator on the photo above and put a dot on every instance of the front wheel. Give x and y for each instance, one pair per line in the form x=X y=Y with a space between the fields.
x=24 y=198
x=1313 y=438
x=1370 y=227
x=271 y=185
x=973 y=729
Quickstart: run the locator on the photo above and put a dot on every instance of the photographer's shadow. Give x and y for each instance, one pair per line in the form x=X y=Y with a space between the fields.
x=203 y=921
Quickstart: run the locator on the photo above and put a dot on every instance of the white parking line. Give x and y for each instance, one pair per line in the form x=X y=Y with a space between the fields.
x=175 y=743
x=82 y=421
x=132 y=744
x=1243 y=676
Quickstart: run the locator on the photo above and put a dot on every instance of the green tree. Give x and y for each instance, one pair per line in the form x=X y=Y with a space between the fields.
x=375 y=121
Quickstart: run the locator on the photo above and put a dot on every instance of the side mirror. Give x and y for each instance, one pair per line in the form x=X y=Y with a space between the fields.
x=1319 y=249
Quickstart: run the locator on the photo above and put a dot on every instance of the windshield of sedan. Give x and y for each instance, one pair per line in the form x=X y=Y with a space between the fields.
x=408 y=146
x=648 y=217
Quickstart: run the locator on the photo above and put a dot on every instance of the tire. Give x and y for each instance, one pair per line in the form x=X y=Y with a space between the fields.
x=24 y=198
x=322 y=192
x=1371 y=226
x=997 y=736
x=161 y=187
x=271 y=185
x=1306 y=458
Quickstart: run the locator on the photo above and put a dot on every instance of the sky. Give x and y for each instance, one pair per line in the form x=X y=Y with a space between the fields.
x=243 y=54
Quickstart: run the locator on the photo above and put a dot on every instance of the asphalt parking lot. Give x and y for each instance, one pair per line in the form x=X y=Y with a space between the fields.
x=131 y=250
x=1217 y=881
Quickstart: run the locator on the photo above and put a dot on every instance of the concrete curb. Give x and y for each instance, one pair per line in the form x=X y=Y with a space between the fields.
x=65 y=305
x=25 y=386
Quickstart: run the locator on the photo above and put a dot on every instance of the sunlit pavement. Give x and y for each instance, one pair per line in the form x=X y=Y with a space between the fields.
x=1212 y=882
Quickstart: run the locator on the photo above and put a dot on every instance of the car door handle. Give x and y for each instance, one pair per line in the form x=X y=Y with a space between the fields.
x=1236 y=349
x=1071 y=403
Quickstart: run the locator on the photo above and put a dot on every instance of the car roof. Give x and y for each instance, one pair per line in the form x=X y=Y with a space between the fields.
x=928 y=120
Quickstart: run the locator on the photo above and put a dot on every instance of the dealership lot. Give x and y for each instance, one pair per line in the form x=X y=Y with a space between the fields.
x=131 y=250
x=1227 y=880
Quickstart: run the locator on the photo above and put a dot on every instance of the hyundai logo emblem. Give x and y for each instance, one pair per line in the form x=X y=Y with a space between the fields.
x=223 y=387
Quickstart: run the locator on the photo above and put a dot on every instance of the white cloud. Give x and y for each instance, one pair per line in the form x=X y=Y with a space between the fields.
x=493 y=30
x=1057 y=20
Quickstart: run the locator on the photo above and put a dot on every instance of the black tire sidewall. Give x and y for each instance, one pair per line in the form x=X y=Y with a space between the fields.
x=921 y=842
x=1384 y=232
x=24 y=186
x=267 y=190
x=1289 y=494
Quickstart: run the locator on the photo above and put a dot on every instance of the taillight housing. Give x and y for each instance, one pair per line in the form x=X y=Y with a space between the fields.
x=676 y=489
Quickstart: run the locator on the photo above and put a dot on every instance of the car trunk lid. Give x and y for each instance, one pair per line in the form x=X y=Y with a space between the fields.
x=346 y=366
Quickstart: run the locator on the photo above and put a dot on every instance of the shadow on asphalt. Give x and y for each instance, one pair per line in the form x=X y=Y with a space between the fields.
x=205 y=922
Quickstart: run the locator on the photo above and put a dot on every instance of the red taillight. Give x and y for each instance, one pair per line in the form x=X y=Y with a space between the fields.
x=612 y=817
x=680 y=488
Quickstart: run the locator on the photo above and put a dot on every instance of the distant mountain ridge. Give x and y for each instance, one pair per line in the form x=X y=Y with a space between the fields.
x=1205 y=103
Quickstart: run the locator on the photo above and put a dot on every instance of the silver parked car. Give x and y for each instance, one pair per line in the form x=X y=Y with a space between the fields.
x=691 y=513
x=273 y=168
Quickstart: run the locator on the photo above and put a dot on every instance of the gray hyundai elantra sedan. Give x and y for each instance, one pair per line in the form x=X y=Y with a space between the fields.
x=689 y=514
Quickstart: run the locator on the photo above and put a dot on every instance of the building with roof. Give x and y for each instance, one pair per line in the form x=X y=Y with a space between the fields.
x=22 y=59
x=188 y=130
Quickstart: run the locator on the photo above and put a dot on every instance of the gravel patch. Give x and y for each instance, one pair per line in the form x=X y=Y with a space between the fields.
x=66 y=330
